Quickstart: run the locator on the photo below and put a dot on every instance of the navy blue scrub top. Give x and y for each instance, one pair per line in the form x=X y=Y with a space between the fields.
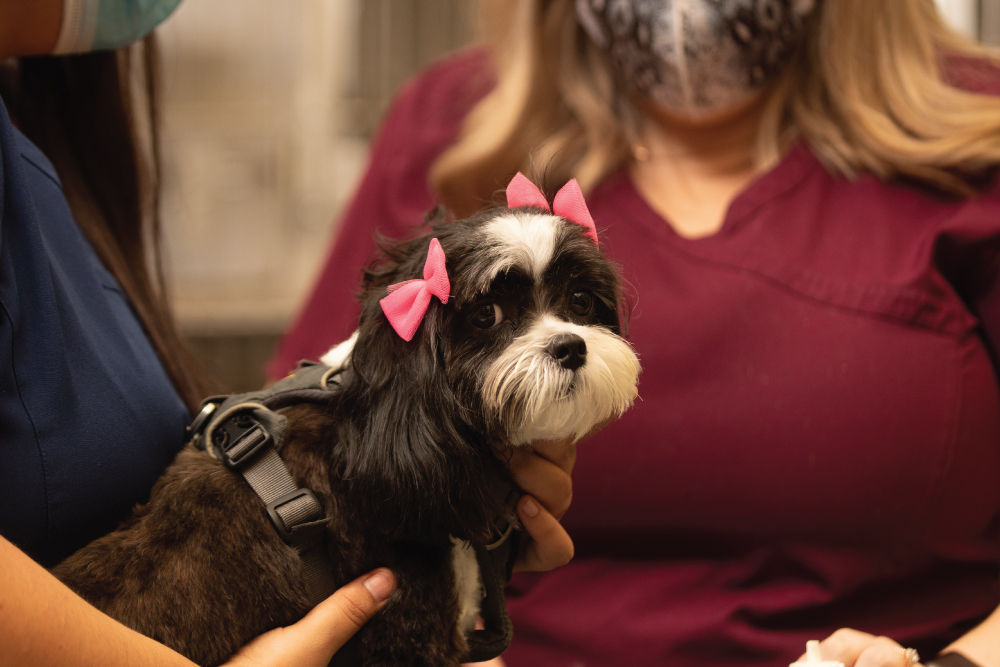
x=88 y=416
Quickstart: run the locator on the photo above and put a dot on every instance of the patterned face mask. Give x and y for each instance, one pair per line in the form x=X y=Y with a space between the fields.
x=696 y=57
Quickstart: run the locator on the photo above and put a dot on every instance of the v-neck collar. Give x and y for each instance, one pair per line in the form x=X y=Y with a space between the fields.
x=786 y=175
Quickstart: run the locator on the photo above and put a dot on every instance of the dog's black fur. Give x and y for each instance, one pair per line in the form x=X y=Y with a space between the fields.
x=401 y=459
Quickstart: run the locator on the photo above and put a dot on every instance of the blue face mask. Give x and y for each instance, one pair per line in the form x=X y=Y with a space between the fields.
x=100 y=25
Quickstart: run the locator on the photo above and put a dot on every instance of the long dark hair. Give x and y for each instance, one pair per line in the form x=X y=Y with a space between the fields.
x=95 y=116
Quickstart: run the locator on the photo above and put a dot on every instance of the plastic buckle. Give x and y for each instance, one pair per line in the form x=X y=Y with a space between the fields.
x=239 y=439
x=283 y=528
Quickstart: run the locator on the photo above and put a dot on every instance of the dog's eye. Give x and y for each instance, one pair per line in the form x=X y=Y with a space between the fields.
x=581 y=303
x=487 y=315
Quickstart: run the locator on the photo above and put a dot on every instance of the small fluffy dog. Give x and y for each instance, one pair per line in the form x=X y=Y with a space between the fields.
x=487 y=334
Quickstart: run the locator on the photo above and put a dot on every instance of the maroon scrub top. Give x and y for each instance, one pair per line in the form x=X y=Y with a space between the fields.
x=817 y=438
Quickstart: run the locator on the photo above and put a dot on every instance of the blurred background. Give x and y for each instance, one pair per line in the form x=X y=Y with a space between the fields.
x=268 y=110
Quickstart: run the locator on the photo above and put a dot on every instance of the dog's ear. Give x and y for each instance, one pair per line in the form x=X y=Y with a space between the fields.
x=409 y=443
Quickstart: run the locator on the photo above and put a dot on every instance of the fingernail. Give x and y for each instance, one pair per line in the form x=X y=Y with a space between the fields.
x=380 y=584
x=530 y=508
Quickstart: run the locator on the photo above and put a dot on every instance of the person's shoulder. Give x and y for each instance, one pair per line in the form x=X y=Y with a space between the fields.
x=904 y=207
x=470 y=64
x=427 y=112
x=920 y=207
x=449 y=86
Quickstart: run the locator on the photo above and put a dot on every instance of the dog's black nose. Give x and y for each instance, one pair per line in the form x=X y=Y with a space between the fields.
x=569 y=350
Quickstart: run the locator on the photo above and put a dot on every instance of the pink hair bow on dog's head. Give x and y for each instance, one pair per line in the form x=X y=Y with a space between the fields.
x=407 y=302
x=568 y=202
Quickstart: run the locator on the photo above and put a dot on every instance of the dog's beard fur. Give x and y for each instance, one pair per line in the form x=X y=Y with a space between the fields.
x=404 y=457
x=535 y=398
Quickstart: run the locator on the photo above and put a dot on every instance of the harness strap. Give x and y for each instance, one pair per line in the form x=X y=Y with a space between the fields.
x=246 y=435
x=496 y=565
x=297 y=516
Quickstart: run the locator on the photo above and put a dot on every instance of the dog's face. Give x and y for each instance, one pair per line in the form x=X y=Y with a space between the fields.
x=533 y=336
x=529 y=342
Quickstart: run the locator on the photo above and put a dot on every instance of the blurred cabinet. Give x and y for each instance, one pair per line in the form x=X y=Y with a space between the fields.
x=990 y=21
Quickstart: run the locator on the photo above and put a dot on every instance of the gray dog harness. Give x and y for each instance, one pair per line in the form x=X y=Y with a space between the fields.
x=246 y=433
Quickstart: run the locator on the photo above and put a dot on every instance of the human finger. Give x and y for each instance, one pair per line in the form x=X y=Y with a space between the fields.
x=562 y=451
x=855 y=648
x=315 y=638
x=550 y=545
x=340 y=616
x=549 y=483
x=495 y=662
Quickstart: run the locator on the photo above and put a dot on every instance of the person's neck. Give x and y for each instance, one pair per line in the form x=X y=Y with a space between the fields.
x=689 y=171
x=723 y=145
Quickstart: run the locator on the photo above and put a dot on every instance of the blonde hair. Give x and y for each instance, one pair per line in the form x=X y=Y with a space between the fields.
x=866 y=92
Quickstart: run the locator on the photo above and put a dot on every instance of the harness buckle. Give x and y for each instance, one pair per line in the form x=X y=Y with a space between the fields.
x=194 y=430
x=292 y=510
x=239 y=439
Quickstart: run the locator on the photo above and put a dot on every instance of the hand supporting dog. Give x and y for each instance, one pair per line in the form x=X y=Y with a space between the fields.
x=313 y=641
x=544 y=470
x=47 y=611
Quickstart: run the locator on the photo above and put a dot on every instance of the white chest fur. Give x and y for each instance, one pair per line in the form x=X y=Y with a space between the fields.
x=468 y=584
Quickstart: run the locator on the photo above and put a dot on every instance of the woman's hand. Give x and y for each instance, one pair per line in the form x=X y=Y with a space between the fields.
x=543 y=471
x=860 y=649
x=323 y=631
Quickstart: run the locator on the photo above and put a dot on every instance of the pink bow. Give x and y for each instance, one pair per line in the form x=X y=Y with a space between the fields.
x=407 y=302
x=568 y=202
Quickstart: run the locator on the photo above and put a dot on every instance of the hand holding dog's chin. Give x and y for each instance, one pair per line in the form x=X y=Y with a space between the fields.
x=543 y=471
x=550 y=545
x=323 y=631
x=562 y=452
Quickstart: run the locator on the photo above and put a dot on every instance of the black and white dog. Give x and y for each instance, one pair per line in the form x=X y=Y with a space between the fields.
x=485 y=335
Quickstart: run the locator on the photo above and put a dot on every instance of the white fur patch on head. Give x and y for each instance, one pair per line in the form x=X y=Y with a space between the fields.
x=541 y=400
x=525 y=240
